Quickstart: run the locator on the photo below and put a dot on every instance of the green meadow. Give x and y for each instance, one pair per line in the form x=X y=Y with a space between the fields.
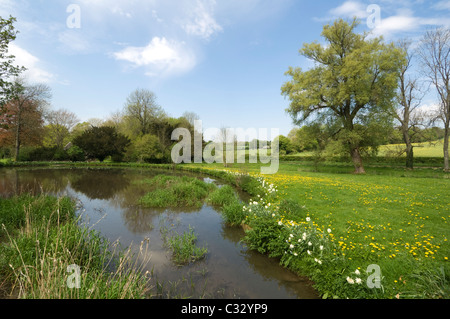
x=394 y=219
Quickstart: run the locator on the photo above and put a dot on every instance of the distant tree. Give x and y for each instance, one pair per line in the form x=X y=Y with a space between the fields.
x=285 y=144
x=101 y=142
x=352 y=83
x=191 y=117
x=60 y=123
x=25 y=112
x=8 y=71
x=148 y=149
x=434 y=53
x=409 y=98
x=142 y=111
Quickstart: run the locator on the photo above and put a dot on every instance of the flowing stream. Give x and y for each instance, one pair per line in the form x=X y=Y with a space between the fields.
x=107 y=200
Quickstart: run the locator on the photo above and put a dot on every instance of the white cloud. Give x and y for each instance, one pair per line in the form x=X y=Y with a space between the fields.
x=402 y=20
x=160 y=57
x=350 y=9
x=34 y=72
x=201 y=21
x=442 y=5
x=396 y=24
x=74 y=41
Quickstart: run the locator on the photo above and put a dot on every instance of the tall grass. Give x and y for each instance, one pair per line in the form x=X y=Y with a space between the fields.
x=184 y=248
x=176 y=191
x=48 y=255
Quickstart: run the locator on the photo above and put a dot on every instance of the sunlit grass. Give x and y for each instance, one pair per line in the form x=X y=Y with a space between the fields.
x=175 y=191
x=425 y=149
x=185 y=249
x=397 y=222
x=47 y=254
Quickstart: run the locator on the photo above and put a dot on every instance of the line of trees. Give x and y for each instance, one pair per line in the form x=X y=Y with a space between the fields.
x=141 y=132
x=361 y=93
x=31 y=130
x=361 y=86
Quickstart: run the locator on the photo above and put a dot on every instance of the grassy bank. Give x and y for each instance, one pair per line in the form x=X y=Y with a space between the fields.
x=337 y=228
x=46 y=254
x=379 y=235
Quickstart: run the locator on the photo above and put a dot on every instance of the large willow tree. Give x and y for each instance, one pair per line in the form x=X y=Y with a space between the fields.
x=353 y=83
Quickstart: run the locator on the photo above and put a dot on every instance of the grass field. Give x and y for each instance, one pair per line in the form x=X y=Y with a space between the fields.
x=428 y=149
x=390 y=218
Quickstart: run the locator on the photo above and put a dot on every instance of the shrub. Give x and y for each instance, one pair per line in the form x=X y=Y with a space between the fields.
x=101 y=142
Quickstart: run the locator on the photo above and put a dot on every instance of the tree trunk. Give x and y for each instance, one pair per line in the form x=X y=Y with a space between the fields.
x=357 y=161
x=17 y=146
x=446 y=138
x=409 y=150
x=410 y=156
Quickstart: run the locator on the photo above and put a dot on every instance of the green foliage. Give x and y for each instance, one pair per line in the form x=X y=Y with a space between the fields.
x=101 y=142
x=233 y=213
x=285 y=145
x=8 y=88
x=249 y=185
x=226 y=199
x=76 y=154
x=266 y=236
x=184 y=248
x=176 y=191
x=222 y=196
x=42 y=237
x=353 y=83
x=14 y=211
x=146 y=149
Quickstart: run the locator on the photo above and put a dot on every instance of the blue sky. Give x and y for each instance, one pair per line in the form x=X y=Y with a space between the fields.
x=222 y=59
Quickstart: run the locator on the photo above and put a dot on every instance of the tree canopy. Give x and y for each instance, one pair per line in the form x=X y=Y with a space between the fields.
x=353 y=81
x=101 y=142
x=8 y=71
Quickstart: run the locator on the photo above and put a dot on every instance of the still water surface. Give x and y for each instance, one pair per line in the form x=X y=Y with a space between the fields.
x=107 y=201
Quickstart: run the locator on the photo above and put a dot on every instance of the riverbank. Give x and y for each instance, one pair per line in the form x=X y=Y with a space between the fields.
x=43 y=249
x=381 y=235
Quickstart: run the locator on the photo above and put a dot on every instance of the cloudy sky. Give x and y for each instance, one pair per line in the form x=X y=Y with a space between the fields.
x=222 y=59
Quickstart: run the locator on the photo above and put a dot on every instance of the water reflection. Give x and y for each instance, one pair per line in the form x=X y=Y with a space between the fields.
x=108 y=199
x=99 y=184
